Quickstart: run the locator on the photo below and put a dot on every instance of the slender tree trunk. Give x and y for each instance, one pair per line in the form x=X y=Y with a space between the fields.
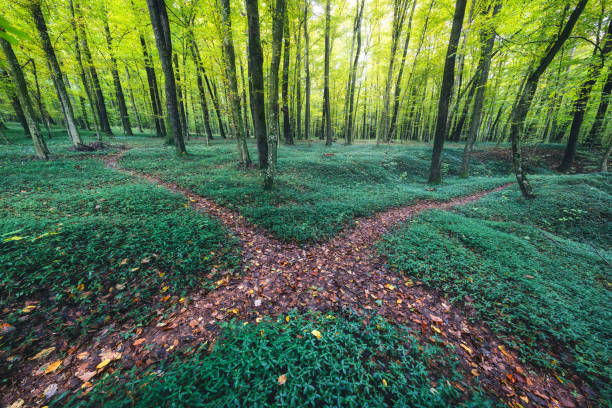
x=245 y=104
x=521 y=108
x=256 y=83
x=131 y=92
x=583 y=99
x=44 y=115
x=203 y=104
x=16 y=103
x=326 y=102
x=93 y=73
x=123 y=112
x=446 y=89
x=307 y=74
x=298 y=85
x=234 y=96
x=160 y=127
x=56 y=72
x=179 y=94
x=277 y=38
x=21 y=90
x=285 y=84
x=348 y=132
x=606 y=156
x=161 y=29
x=594 y=138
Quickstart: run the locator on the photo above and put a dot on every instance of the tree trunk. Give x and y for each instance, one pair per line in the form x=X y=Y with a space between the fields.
x=326 y=103
x=521 y=108
x=160 y=127
x=307 y=74
x=44 y=115
x=56 y=72
x=123 y=112
x=179 y=94
x=131 y=92
x=583 y=99
x=16 y=103
x=487 y=39
x=161 y=29
x=445 y=93
x=595 y=135
x=256 y=83
x=234 y=97
x=21 y=90
x=277 y=38
x=245 y=114
x=348 y=132
x=203 y=104
x=285 y=85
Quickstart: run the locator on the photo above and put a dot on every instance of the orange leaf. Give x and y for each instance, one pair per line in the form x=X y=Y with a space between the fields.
x=282 y=379
x=51 y=368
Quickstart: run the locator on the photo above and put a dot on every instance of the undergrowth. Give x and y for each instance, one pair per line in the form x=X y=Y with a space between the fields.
x=544 y=292
x=313 y=360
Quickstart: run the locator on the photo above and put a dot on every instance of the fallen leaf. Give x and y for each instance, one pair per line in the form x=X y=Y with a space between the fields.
x=435 y=319
x=103 y=364
x=287 y=319
x=389 y=286
x=85 y=376
x=124 y=261
x=282 y=379
x=17 y=404
x=384 y=382
x=466 y=348
x=43 y=353
x=316 y=333
x=503 y=350
x=475 y=372
x=29 y=308
x=83 y=355
x=51 y=368
x=50 y=391
x=110 y=355
x=6 y=328
x=234 y=311
x=138 y=342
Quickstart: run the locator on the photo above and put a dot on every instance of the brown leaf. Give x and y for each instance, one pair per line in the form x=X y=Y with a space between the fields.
x=282 y=379
x=43 y=353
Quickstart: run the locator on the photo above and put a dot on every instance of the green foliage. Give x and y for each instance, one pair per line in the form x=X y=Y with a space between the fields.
x=541 y=292
x=86 y=243
x=315 y=195
x=345 y=367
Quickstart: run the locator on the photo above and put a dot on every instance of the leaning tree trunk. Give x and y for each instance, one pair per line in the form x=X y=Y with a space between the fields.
x=595 y=135
x=161 y=29
x=256 y=82
x=160 y=127
x=19 y=113
x=326 y=103
x=131 y=92
x=445 y=93
x=232 y=81
x=24 y=99
x=583 y=99
x=487 y=38
x=285 y=86
x=307 y=75
x=56 y=73
x=203 y=104
x=123 y=112
x=277 y=38
x=44 y=115
x=521 y=108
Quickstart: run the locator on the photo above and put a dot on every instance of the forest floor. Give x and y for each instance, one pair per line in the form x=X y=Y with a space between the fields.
x=134 y=277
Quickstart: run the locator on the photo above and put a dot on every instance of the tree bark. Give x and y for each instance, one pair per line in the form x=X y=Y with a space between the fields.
x=348 y=132
x=583 y=99
x=285 y=84
x=232 y=81
x=277 y=38
x=595 y=135
x=521 y=108
x=56 y=72
x=307 y=74
x=40 y=147
x=160 y=127
x=179 y=94
x=445 y=93
x=131 y=92
x=203 y=104
x=123 y=112
x=161 y=29
x=326 y=103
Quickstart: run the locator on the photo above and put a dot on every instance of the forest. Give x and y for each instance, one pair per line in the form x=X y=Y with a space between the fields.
x=356 y=203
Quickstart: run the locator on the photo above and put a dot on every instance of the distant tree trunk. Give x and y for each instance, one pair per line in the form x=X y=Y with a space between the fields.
x=56 y=72
x=203 y=104
x=307 y=74
x=521 y=108
x=348 y=133
x=215 y=101
x=326 y=103
x=445 y=93
x=277 y=38
x=234 y=97
x=179 y=94
x=245 y=104
x=398 y=81
x=595 y=135
x=606 y=156
x=134 y=107
x=93 y=74
x=19 y=113
x=256 y=82
x=23 y=97
x=583 y=99
x=44 y=115
x=285 y=85
x=160 y=127
x=161 y=29
x=487 y=39
x=123 y=112
x=298 y=85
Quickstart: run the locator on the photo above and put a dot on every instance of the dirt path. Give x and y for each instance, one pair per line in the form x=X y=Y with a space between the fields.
x=278 y=277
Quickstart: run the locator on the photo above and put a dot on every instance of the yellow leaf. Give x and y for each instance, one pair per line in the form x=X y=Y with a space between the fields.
x=29 y=308
x=436 y=329
x=13 y=239
x=135 y=269
x=316 y=333
x=258 y=320
x=43 y=353
x=466 y=348
x=399 y=301
x=164 y=289
x=123 y=262
x=51 y=368
x=80 y=286
x=282 y=379
x=181 y=300
x=287 y=319
x=103 y=364
x=503 y=350
x=17 y=404
x=475 y=372
x=389 y=286
x=384 y=382
x=234 y=311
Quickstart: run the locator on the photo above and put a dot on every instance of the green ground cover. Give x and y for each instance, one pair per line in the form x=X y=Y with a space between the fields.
x=354 y=363
x=536 y=271
x=80 y=243
x=320 y=189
